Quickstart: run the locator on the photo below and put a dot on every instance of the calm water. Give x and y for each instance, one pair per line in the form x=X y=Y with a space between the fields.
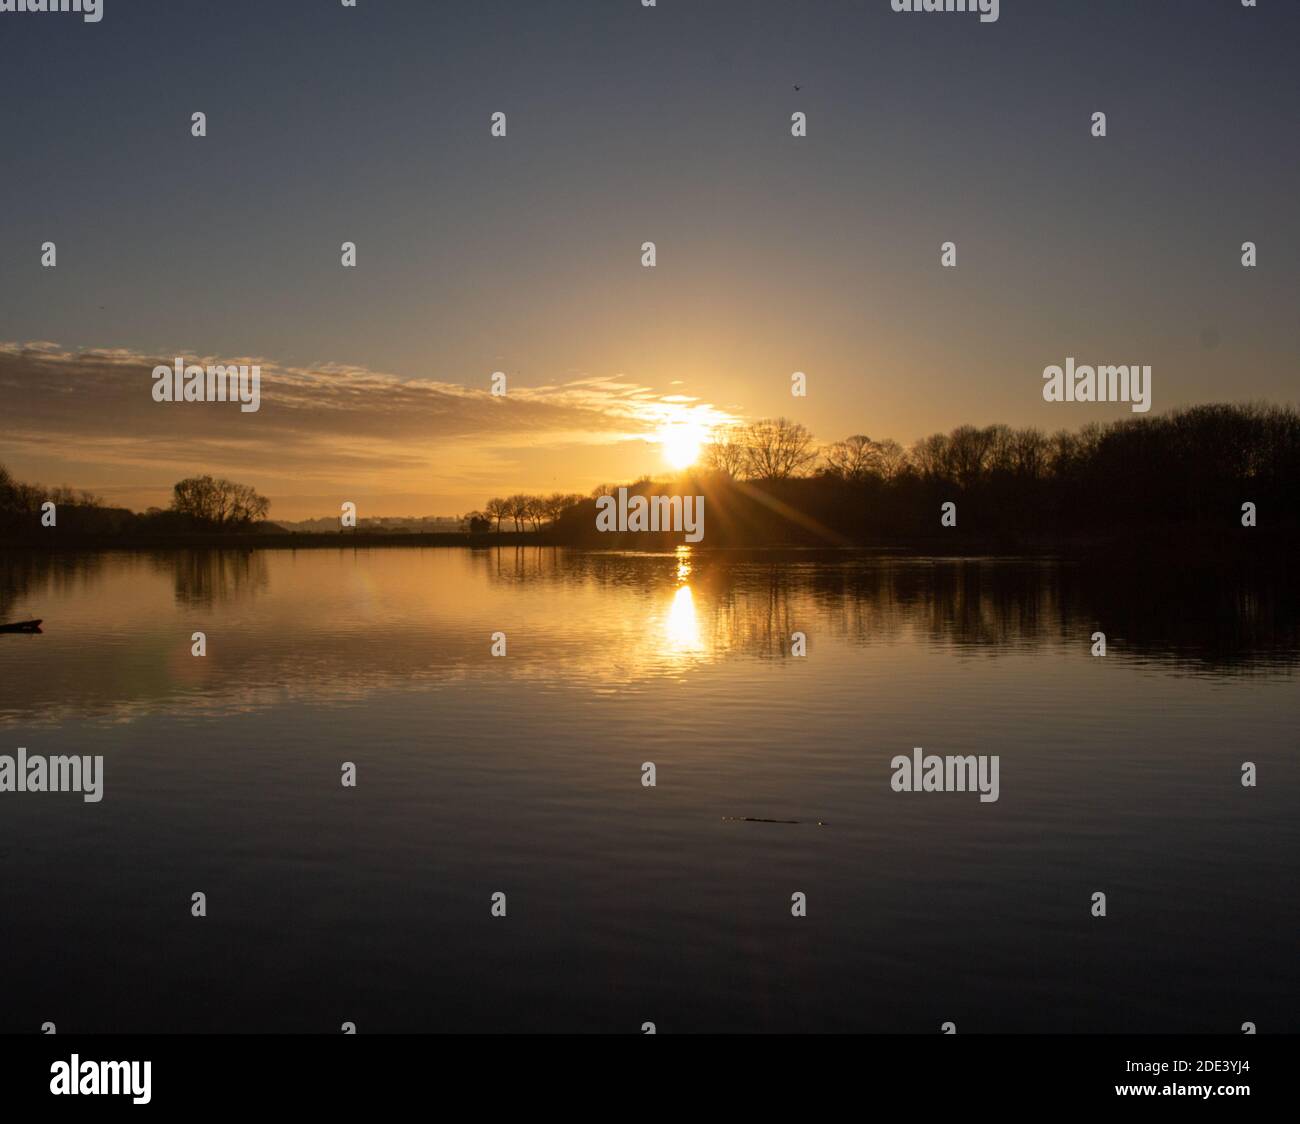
x=626 y=904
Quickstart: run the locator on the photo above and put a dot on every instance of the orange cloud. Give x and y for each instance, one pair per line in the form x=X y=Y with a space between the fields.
x=88 y=418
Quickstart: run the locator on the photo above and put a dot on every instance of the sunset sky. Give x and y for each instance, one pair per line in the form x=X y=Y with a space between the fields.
x=329 y=124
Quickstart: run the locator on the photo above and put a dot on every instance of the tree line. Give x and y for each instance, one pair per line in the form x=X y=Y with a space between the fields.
x=770 y=482
x=522 y=510
x=1187 y=465
x=1223 y=442
x=198 y=503
x=770 y=477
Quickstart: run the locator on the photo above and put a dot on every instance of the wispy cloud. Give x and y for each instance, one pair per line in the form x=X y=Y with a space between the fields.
x=79 y=412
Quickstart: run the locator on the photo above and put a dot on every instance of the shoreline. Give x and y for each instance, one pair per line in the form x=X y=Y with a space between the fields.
x=1181 y=545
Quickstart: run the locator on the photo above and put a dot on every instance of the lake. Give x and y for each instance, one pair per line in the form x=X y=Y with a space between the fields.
x=672 y=904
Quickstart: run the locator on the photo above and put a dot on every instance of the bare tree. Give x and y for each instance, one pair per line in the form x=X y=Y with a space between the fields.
x=557 y=503
x=1029 y=453
x=497 y=509
x=969 y=451
x=519 y=507
x=222 y=503
x=855 y=458
x=891 y=459
x=930 y=456
x=245 y=505
x=535 y=510
x=725 y=452
x=777 y=449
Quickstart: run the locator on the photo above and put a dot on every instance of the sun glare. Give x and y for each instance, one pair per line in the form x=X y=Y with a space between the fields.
x=682 y=442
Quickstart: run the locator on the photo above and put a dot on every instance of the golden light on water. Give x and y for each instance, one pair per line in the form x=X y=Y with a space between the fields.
x=681 y=625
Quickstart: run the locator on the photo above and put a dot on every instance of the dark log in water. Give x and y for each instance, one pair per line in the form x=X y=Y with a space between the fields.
x=758 y=819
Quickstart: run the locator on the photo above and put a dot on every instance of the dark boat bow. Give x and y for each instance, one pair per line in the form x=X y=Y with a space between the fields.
x=21 y=626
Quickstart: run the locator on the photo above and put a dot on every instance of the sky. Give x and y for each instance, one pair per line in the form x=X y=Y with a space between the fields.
x=522 y=253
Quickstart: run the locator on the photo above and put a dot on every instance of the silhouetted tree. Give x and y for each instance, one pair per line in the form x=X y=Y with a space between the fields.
x=726 y=451
x=854 y=458
x=519 y=506
x=777 y=449
x=497 y=508
x=219 y=503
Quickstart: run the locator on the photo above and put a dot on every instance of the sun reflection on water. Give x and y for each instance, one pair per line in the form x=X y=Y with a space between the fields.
x=682 y=625
x=683 y=563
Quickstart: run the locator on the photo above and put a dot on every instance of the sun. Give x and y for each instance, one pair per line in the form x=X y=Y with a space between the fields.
x=682 y=442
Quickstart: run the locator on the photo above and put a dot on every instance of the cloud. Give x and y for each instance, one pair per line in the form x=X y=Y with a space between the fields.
x=93 y=410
